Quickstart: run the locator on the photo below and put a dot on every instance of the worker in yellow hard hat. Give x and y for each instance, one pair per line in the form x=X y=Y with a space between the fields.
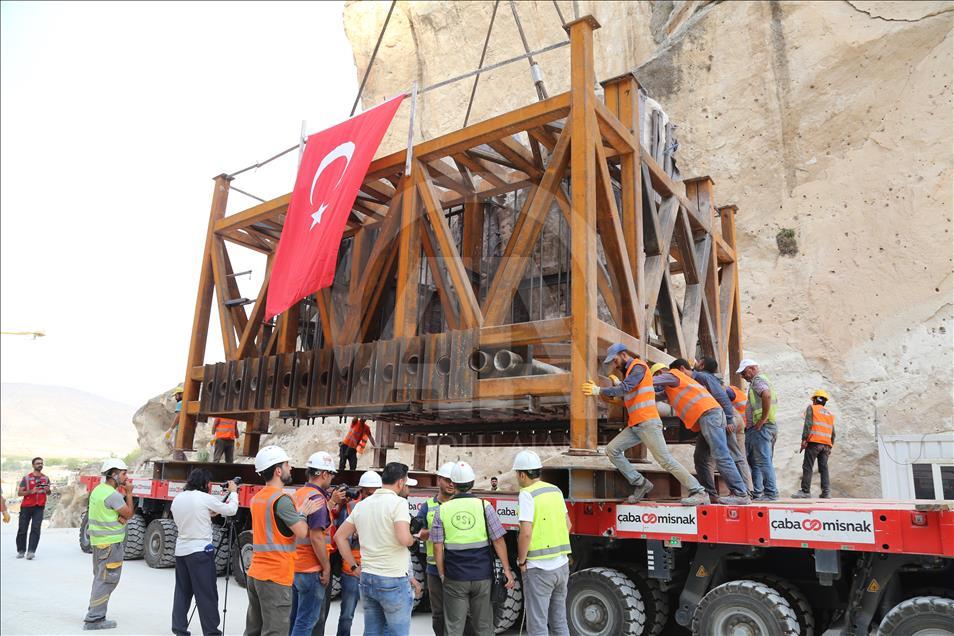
x=818 y=437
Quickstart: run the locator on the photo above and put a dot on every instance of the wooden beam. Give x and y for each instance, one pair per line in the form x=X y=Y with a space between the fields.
x=408 y=291
x=239 y=317
x=247 y=340
x=226 y=320
x=664 y=185
x=526 y=333
x=657 y=265
x=268 y=210
x=519 y=156
x=451 y=315
x=481 y=168
x=522 y=386
x=613 y=131
x=327 y=317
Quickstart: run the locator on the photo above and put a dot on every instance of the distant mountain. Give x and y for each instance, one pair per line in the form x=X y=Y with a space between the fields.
x=60 y=422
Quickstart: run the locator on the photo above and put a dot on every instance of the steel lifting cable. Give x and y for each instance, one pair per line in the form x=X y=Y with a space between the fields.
x=374 y=54
x=534 y=67
x=480 y=65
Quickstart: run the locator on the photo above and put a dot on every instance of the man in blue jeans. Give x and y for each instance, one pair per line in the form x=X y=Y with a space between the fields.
x=760 y=431
x=350 y=584
x=384 y=524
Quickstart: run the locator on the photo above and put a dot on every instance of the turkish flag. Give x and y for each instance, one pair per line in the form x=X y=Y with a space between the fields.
x=332 y=169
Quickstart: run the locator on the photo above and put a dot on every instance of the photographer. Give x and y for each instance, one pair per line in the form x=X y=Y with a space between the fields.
x=192 y=510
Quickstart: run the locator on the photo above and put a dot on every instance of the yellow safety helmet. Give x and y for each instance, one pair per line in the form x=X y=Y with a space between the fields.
x=178 y=389
x=659 y=366
x=822 y=393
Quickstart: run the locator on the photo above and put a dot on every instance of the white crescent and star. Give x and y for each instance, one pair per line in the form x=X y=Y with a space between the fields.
x=343 y=151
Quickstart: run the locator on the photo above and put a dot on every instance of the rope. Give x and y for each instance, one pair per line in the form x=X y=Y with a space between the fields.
x=559 y=13
x=251 y=196
x=374 y=54
x=537 y=81
x=516 y=58
x=473 y=91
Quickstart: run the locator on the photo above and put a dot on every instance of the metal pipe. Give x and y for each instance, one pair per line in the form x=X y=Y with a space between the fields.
x=508 y=362
x=505 y=361
x=481 y=361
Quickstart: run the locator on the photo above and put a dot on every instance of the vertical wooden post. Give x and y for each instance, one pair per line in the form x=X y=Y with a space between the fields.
x=472 y=239
x=420 y=453
x=409 y=262
x=727 y=215
x=583 y=271
x=200 y=319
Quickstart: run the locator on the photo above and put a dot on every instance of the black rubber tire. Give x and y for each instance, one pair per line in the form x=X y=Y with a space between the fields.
x=616 y=606
x=222 y=553
x=655 y=600
x=335 y=586
x=919 y=613
x=796 y=599
x=135 y=538
x=84 y=543
x=243 y=548
x=746 y=600
x=159 y=550
x=420 y=573
x=507 y=614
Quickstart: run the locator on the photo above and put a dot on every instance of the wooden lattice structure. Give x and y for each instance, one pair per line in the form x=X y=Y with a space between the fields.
x=419 y=309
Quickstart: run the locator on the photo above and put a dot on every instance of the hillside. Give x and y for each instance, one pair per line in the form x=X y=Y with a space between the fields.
x=63 y=422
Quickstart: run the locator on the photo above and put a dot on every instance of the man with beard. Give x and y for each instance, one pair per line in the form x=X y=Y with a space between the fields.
x=276 y=524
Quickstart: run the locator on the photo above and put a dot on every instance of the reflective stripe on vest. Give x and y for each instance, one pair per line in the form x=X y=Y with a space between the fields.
x=356 y=433
x=464 y=525
x=641 y=401
x=305 y=558
x=740 y=401
x=689 y=399
x=550 y=536
x=432 y=505
x=273 y=554
x=823 y=425
x=102 y=521
x=225 y=428
x=756 y=401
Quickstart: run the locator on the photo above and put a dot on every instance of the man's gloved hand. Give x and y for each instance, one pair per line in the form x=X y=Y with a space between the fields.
x=615 y=380
x=590 y=388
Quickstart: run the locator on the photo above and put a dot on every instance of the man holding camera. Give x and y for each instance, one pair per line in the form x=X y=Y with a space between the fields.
x=192 y=510
x=33 y=488
x=312 y=566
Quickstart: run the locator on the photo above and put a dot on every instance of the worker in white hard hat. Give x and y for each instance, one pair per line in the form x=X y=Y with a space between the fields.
x=760 y=430
x=542 y=548
x=425 y=514
x=277 y=525
x=110 y=506
x=350 y=582
x=818 y=438
x=463 y=531
x=312 y=565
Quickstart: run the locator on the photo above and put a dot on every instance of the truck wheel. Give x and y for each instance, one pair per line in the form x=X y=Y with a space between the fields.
x=84 y=543
x=604 y=602
x=419 y=574
x=220 y=540
x=335 y=586
x=655 y=601
x=795 y=597
x=160 y=546
x=922 y=615
x=507 y=614
x=135 y=538
x=744 y=607
x=242 y=557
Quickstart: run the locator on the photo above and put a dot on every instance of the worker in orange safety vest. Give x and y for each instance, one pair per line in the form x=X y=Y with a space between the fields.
x=818 y=437
x=224 y=433
x=354 y=442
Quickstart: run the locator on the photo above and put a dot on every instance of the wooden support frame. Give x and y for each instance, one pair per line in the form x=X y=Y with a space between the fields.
x=572 y=152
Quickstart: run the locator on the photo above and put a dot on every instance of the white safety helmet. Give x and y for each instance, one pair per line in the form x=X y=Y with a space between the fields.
x=370 y=479
x=445 y=470
x=269 y=456
x=321 y=461
x=113 y=463
x=527 y=460
x=462 y=473
x=745 y=364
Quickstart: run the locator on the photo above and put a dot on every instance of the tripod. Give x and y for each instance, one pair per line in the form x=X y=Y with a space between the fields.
x=229 y=535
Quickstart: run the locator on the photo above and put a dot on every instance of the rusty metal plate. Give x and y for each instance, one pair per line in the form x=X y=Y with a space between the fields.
x=303 y=373
x=341 y=377
x=250 y=388
x=437 y=367
x=362 y=376
x=462 y=382
x=285 y=382
x=268 y=391
x=221 y=387
x=233 y=393
x=207 y=394
x=410 y=370
x=386 y=356
x=321 y=377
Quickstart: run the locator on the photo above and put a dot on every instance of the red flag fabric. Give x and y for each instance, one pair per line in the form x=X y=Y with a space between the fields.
x=332 y=169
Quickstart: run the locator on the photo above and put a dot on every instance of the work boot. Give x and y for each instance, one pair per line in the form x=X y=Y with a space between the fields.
x=735 y=500
x=29 y=556
x=767 y=498
x=801 y=494
x=825 y=494
x=698 y=498
x=640 y=491
x=19 y=555
x=100 y=624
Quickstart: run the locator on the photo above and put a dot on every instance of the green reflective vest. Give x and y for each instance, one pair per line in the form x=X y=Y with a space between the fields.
x=432 y=505
x=550 y=537
x=464 y=525
x=756 y=402
x=103 y=524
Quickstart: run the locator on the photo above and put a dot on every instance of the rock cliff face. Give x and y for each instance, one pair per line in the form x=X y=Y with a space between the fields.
x=829 y=124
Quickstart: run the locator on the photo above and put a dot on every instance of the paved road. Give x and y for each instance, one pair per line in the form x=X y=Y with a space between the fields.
x=50 y=594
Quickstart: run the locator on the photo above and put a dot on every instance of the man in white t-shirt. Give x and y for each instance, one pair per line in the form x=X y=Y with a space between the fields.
x=383 y=522
x=192 y=510
x=542 y=548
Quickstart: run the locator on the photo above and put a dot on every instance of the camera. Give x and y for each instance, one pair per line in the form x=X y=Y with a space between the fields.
x=416 y=525
x=236 y=480
x=351 y=492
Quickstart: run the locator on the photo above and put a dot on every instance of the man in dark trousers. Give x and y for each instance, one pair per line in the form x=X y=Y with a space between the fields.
x=192 y=510
x=34 y=488
x=354 y=442
x=818 y=437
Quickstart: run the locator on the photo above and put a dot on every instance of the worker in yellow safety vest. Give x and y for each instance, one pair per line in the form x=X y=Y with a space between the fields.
x=435 y=590
x=542 y=548
x=818 y=437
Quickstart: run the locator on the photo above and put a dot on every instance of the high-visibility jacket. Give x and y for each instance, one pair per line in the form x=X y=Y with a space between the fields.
x=357 y=433
x=305 y=558
x=103 y=522
x=823 y=425
x=550 y=537
x=467 y=553
x=432 y=505
x=225 y=428
x=756 y=402
x=740 y=401
x=689 y=400
x=42 y=483
x=273 y=554
x=641 y=401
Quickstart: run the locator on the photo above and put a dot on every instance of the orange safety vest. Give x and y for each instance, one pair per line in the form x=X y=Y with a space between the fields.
x=741 y=400
x=689 y=399
x=641 y=401
x=273 y=554
x=823 y=425
x=357 y=435
x=305 y=558
x=225 y=428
